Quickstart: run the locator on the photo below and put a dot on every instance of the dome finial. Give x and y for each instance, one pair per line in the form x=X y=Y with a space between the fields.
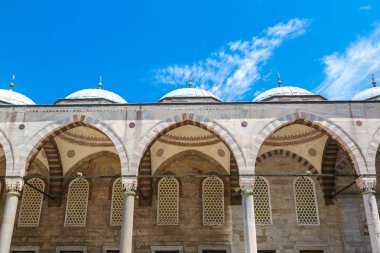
x=190 y=83
x=373 y=80
x=100 y=84
x=12 y=84
x=279 y=82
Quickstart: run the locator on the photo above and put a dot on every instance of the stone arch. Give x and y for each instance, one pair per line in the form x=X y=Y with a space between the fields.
x=176 y=121
x=317 y=122
x=53 y=129
x=88 y=158
x=372 y=152
x=287 y=153
x=8 y=152
x=190 y=152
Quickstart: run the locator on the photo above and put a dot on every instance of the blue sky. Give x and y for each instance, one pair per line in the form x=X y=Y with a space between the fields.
x=144 y=49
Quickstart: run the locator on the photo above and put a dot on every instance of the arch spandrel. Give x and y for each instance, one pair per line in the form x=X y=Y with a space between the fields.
x=31 y=148
x=173 y=122
x=372 y=151
x=8 y=152
x=324 y=125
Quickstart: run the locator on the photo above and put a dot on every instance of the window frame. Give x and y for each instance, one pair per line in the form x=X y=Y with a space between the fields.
x=227 y=248
x=67 y=202
x=36 y=249
x=158 y=202
x=315 y=201
x=179 y=248
x=203 y=201
x=58 y=249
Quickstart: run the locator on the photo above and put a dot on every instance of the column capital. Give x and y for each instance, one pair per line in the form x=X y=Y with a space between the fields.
x=366 y=184
x=246 y=184
x=13 y=185
x=129 y=185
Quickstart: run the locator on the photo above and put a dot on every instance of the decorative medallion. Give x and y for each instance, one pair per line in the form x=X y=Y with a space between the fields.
x=312 y=152
x=132 y=125
x=71 y=153
x=160 y=152
x=21 y=127
x=359 y=123
x=244 y=124
x=221 y=152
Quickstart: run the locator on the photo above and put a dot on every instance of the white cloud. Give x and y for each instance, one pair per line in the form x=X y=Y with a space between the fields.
x=366 y=7
x=233 y=69
x=349 y=72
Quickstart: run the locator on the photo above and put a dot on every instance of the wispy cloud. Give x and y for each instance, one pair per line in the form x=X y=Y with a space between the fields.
x=349 y=72
x=233 y=69
x=366 y=7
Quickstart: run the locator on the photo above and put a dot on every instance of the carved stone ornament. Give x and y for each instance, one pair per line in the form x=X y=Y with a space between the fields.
x=130 y=186
x=14 y=186
x=246 y=184
x=366 y=184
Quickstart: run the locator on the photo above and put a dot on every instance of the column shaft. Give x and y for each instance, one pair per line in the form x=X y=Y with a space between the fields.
x=8 y=221
x=126 y=245
x=373 y=222
x=249 y=223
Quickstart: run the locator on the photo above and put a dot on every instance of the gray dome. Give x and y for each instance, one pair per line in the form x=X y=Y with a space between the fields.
x=96 y=94
x=14 y=98
x=367 y=94
x=282 y=91
x=196 y=93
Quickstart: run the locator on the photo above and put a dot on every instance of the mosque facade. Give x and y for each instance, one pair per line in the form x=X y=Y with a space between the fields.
x=289 y=172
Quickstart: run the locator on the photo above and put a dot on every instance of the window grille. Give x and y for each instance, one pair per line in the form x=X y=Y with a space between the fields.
x=77 y=201
x=31 y=204
x=168 y=198
x=262 y=203
x=306 y=201
x=213 y=201
x=117 y=203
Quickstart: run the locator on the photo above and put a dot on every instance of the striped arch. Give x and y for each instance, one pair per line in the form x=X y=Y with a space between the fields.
x=286 y=153
x=316 y=122
x=50 y=131
x=171 y=123
x=7 y=148
x=372 y=152
x=55 y=169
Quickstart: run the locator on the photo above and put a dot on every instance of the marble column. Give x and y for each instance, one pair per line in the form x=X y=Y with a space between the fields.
x=250 y=244
x=367 y=186
x=13 y=190
x=129 y=194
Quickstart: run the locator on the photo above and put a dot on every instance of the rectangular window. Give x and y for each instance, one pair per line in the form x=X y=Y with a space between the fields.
x=214 y=251
x=74 y=251
x=112 y=251
x=167 y=251
x=311 y=251
x=266 y=251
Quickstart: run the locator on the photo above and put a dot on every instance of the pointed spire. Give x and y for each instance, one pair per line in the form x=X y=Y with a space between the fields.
x=190 y=83
x=373 y=80
x=100 y=84
x=12 y=84
x=279 y=82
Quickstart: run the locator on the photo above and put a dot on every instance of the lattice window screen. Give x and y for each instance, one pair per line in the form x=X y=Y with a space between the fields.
x=117 y=203
x=31 y=204
x=77 y=201
x=168 y=198
x=306 y=201
x=213 y=201
x=262 y=204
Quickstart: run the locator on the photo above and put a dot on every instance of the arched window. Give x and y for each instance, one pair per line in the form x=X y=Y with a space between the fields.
x=262 y=203
x=306 y=201
x=168 y=201
x=117 y=203
x=31 y=204
x=213 y=201
x=77 y=201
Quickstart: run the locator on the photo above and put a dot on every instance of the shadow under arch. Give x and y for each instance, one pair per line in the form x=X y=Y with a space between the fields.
x=317 y=122
x=154 y=133
x=53 y=129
